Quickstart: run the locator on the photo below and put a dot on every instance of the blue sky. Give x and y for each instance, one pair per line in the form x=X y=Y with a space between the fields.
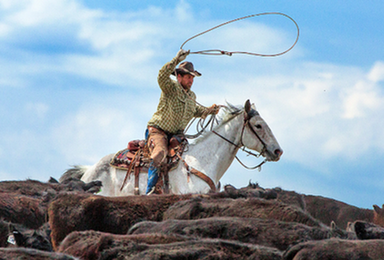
x=78 y=81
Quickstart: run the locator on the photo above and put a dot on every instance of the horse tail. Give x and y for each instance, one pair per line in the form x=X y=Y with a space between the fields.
x=76 y=172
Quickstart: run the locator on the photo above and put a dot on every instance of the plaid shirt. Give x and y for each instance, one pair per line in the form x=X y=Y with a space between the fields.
x=176 y=106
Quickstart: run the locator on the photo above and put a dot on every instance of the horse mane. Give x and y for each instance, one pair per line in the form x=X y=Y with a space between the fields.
x=229 y=112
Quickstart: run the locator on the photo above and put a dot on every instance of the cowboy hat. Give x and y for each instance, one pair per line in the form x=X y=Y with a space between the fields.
x=186 y=67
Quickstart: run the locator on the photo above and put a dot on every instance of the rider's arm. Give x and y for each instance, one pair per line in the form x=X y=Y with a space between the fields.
x=165 y=82
x=204 y=111
x=200 y=111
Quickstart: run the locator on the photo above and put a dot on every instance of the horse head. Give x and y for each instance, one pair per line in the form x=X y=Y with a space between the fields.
x=258 y=136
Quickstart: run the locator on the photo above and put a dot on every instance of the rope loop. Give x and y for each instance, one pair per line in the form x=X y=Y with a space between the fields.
x=230 y=53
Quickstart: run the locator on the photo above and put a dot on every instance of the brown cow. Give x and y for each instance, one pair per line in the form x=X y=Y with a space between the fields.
x=253 y=190
x=91 y=244
x=327 y=210
x=291 y=198
x=32 y=254
x=26 y=202
x=203 y=249
x=71 y=212
x=22 y=210
x=251 y=208
x=78 y=212
x=366 y=230
x=266 y=232
x=19 y=236
x=337 y=249
x=287 y=197
x=44 y=190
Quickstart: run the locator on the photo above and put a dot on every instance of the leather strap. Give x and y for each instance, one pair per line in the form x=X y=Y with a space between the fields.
x=137 y=174
x=130 y=168
x=166 y=182
x=199 y=174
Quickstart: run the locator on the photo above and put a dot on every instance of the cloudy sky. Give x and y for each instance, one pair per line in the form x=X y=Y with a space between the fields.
x=78 y=81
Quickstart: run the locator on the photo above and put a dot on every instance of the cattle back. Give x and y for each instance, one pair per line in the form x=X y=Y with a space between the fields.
x=22 y=210
x=367 y=230
x=90 y=244
x=266 y=232
x=327 y=210
x=203 y=249
x=32 y=254
x=79 y=212
x=336 y=249
x=248 y=208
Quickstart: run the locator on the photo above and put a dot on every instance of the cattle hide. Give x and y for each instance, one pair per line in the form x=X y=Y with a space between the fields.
x=337 y=249
x=17 y=235
x=266 y=232
x=30 y=238
x=246 y=208
x=79 y=212
x=366 y=230
x=47 y=190
x=290 y=197
x=327 y=210
x=22 y=210
x=378 y=215
x=90 y=244
x=253 y=190
x=32 y=254
x=203 y=249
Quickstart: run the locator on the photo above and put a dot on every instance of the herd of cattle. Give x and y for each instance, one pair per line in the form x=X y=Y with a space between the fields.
x=66 y=220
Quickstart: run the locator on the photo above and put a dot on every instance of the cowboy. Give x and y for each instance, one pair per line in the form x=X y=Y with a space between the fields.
x=177 y=106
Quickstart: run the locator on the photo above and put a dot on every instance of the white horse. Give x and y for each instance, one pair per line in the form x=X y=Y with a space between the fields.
x=212 y=153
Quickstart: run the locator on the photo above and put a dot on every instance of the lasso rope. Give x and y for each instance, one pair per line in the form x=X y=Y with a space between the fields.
x=229 y=53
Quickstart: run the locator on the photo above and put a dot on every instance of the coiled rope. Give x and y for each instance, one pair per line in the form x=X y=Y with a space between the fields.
x=230 y=53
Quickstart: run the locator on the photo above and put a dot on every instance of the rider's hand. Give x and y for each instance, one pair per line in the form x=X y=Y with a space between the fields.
x=182 y=54
x=214 y=109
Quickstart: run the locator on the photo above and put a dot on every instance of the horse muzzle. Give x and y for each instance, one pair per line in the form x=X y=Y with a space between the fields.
x=273 y=155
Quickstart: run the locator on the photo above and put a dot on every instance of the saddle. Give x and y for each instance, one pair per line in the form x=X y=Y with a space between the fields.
x=136 y=158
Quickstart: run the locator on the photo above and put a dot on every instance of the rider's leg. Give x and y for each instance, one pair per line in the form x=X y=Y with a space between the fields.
x=158 y=147
x=153 y=176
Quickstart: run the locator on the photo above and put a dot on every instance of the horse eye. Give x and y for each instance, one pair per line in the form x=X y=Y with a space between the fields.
x=258 y=126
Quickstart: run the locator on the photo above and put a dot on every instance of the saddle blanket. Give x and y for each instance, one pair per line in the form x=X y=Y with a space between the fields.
x=122 y=159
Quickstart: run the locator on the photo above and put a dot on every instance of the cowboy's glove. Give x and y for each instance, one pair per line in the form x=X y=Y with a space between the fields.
x=182 y=54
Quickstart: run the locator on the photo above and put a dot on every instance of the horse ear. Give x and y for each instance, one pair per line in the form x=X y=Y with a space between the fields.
x=247 y=106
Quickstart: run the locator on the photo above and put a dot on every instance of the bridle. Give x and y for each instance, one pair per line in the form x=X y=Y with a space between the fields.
x=246 y=122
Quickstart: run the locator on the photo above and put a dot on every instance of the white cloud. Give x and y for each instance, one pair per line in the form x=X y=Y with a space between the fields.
x=377 y=72
x=32 y=13
x=362 y=99
x=318 y=112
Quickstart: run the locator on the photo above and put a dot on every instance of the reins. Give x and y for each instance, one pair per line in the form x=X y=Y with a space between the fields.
x=240 y=147
x=230 y=53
